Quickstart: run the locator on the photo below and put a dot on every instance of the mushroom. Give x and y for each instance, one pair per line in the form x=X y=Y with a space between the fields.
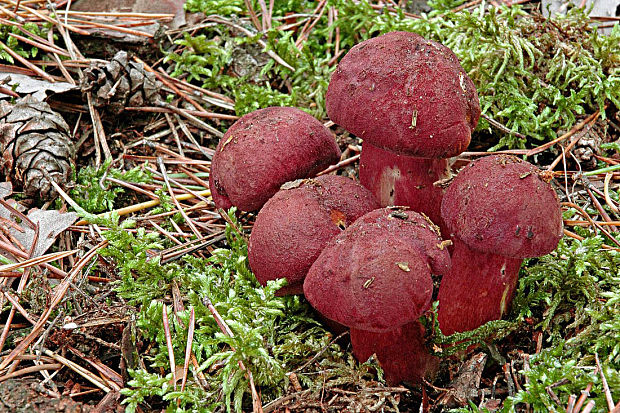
x=263 y=150
x=401 y=352
x=294 y=226
x=413 y=105
x=377 y=277
x=499 y=210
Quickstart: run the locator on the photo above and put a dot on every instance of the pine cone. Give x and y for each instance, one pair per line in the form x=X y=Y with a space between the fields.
x=586 y=148
x=120 y=83
x=35 y=147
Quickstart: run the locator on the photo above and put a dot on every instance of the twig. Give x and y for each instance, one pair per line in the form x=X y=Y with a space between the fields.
x=144 y=205
x=117 y=28
x=571 y=403
x=608 y=169
x=15 y=303
x=584 y=214
x=265 y=16
x=50 y=20
x=28 y=370
x=24 y=279
x=162 y=168
x=194 y=120
x=37 y=260
x=230 y=222
x=466 y=6
x=608 y=397
x=305 y=31
x=61 y=66
x=566 y=150
x=113 y=379
x=589 y=407
x=567 y=135
x=40 y=45
x=393 y=11
x=598 y=206
x=339 y=165
x=253 y=17
x=197 y=113
x=175 y=134
x=99 y=131
x=169 y=84
x=218 y=99
x=584 y=395
x=502 y=127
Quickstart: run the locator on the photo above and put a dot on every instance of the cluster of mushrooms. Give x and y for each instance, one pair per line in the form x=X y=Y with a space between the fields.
x=372 y=256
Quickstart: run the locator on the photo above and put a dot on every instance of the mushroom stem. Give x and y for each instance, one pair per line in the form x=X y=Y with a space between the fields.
x=401 y=352
x=478 y=288
x=397 y=179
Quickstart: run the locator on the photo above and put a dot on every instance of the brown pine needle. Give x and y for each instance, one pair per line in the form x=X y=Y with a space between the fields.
x=32 y=369
x=59 y=292
x=608 y=397
x=173 y=366
x=79 y=370
x=567 y=135
x=37 y=260
x=256 y=403
x=188 y=348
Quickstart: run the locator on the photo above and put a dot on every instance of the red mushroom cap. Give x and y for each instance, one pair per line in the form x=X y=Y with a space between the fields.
x=376 y=275
x=263 y=150
x=503 y=205
x=294 y=226
x=406 y=94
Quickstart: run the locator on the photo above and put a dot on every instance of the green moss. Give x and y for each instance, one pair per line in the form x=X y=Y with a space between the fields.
x=93 y=193
x=531 y=73
x=271 y=335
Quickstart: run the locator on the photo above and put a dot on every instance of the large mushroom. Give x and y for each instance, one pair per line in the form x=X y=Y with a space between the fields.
x=413 y=105
x=376 y=277
x=499 y=210
x=263 y=150
x=294 y=226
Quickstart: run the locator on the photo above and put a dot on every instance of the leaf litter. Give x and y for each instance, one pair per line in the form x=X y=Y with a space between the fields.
x=236 y=345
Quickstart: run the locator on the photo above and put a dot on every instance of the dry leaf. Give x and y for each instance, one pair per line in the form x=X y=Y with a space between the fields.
x=51 y=224
x=39 y=89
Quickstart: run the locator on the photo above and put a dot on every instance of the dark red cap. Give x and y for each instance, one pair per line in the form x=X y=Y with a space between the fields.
x=503 y=205
x=263 y=150
x=406 y=94
x=376 y=275
x=294 y=226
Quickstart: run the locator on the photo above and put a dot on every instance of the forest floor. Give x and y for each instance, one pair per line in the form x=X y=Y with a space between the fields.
x=122 y=286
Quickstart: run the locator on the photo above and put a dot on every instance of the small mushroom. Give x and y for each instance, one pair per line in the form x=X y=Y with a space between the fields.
x=294 y=226
x=412 y=103
x=499 y=210
x=263 y=150
x=376 y=277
